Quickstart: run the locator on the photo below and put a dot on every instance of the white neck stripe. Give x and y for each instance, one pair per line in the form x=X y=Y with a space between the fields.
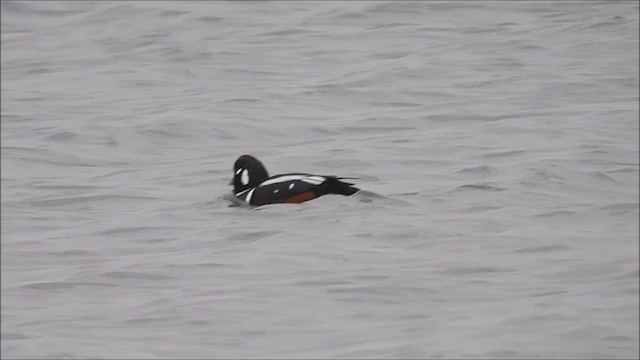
x=249 y=195
x=243 y=191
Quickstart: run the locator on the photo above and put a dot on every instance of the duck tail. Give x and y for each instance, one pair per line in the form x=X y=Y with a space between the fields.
x=337 y=186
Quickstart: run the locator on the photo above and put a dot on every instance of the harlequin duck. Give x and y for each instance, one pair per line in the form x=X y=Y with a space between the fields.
x=252 y=184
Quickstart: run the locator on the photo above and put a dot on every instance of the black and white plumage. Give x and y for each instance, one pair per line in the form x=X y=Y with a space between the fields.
x=252 y=184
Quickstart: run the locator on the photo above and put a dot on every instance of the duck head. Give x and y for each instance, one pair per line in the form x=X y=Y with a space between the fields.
x=248 y=172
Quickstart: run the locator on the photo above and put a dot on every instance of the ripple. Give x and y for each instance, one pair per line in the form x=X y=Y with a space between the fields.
x=70 y=187
x=62 y=285
x=478 y=170
x=83 y=200
x=13 y=336
x=174 y=13
x=542 y=249
x=62 y=136
x=482 y=187
x=391 y=56
x=162 y=133
x=209 y=19
x=549 y=293
x=598 y=175
x=350 y=15
x=253 y=235
x=501 y=154
x=471 y=270
x=125 y=230
x=618 y=209
x=241 y=100
x=622 y=338
x=72 y=253
x=555 y=214
x=288 y=32
x=132 y=275
x=149 y=320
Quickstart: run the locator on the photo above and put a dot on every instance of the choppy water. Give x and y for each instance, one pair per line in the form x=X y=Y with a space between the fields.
x=497 y=144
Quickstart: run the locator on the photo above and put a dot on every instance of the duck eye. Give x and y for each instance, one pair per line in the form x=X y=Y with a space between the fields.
x=238 y=171
x=244 y=177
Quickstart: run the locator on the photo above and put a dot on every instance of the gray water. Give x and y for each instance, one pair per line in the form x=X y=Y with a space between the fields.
x=496 y=144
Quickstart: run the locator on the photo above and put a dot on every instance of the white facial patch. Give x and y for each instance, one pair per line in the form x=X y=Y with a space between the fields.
x=291 y=186
x=244 y=177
